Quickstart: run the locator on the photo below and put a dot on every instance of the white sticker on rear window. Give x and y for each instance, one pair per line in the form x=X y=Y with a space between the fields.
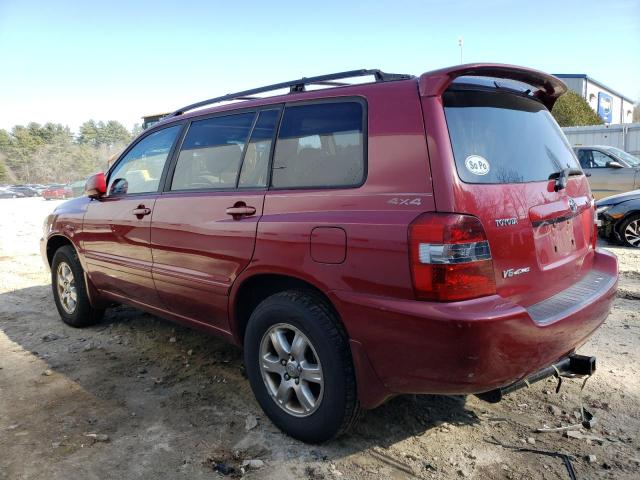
x=477 y=165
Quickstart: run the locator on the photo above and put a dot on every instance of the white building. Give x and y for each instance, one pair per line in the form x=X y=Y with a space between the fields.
x=613 y=107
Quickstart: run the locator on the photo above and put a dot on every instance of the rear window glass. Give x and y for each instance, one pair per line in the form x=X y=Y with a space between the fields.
x=504 y=138
x=320 y=145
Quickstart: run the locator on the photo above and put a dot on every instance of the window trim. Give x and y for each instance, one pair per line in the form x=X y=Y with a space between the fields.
x=167 y=161
x=274 y=139
x=166 y=188
x=365 y=143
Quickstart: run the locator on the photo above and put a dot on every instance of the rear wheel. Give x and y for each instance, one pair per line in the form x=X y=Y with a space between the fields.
x=69 y=290
x=630 y=231
x=299 y=365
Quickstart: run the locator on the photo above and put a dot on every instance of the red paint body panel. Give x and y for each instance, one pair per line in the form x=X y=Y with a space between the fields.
x=187 y=260
x=328 y=245
x=464 y=347
x=199 y=250
x=116 y=247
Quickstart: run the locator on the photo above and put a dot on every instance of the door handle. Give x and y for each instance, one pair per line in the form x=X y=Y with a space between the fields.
x=240 y=211
x=141 y=211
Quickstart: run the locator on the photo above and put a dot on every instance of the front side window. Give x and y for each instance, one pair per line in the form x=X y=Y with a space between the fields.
x=211 y=153
x=141 y=168
x=320 y=145
x=600 y=160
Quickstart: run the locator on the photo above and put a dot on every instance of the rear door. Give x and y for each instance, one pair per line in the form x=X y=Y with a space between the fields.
x=117 y=226
x=204 y=223
x=506 y=147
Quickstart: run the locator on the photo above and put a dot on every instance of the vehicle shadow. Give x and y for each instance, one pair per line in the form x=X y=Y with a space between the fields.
x=156 y=368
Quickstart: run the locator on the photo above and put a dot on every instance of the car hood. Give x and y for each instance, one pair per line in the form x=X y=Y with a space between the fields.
x=622 y=197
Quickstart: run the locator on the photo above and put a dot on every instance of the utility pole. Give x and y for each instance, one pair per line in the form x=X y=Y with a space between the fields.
x=460 y=44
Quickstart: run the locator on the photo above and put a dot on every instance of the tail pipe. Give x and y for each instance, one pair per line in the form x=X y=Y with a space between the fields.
x=573 y=365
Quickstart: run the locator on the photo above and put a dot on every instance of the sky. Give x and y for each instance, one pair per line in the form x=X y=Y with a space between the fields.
x=66 y=61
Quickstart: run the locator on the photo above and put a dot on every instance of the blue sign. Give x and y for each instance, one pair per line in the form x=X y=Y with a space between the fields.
x=605 y=106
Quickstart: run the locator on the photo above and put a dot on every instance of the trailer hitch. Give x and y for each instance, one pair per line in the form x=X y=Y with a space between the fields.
x=571 y=366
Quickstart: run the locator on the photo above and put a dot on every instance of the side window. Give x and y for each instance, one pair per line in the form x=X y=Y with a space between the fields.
x=256 y=159
x=584 y=156
x=211 y=152
x=600 y=160
x=320 y=145
x=140 y=170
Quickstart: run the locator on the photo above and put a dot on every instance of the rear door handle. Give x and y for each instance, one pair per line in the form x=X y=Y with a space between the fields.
x=240 y=211
x=141 y=211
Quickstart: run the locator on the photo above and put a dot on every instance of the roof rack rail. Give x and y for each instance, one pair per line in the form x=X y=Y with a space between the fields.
x=298 y=86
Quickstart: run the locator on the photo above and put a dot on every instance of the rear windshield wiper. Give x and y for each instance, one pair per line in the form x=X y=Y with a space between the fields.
x=562 y=177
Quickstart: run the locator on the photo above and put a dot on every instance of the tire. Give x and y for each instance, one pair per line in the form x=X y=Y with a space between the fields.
x=336 y=408
x=630 y=231
x=71 y=296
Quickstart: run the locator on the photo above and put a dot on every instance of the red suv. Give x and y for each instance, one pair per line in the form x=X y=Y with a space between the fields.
x=429 y=234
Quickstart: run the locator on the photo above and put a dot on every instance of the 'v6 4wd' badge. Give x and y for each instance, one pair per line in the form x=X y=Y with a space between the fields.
x=512 y=272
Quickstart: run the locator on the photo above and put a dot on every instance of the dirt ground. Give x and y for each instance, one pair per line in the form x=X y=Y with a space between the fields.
x=138 y=397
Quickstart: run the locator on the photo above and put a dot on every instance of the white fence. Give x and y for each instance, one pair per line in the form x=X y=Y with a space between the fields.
x=625 y=136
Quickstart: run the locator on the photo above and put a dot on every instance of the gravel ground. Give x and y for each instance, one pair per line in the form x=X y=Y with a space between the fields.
x=139 y=397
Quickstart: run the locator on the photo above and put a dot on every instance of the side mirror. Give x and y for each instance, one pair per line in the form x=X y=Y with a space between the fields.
x=96 y=185
x=614 y=164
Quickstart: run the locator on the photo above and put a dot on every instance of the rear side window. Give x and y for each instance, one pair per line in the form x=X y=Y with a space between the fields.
x=211 y=153
x=320 y=145
x=504 y=138
x=255 y=165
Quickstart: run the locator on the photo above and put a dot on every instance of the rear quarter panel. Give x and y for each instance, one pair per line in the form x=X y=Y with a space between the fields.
x=374 y=216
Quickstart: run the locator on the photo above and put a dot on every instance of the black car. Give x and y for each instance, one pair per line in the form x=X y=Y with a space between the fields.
x=619 y=218
x=26 y=191
x=10 y=193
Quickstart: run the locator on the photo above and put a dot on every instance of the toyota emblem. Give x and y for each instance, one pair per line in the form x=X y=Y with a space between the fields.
x=572 y=205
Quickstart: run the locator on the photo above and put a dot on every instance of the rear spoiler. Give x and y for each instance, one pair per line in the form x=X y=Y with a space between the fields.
x=548 y=87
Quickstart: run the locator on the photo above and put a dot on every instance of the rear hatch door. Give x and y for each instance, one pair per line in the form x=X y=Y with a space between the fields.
x=518 y=174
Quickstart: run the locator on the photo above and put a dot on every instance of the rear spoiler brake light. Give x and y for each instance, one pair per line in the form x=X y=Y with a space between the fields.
x=549 y=87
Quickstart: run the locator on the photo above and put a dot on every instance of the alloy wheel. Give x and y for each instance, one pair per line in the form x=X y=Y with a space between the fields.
x=632 y=233
x=291 y=370
x=66 y=285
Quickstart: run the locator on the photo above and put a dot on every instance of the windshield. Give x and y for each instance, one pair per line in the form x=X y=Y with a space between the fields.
x=626 y=157
x=499 y=137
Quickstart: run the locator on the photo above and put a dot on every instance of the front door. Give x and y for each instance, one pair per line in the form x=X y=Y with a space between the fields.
x=605 y=180
x=117 y=226
x=204 y=223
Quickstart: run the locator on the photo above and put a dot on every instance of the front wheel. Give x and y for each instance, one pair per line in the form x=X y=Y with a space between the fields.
x=630 y=231
x=69 y=290
x=299 y=365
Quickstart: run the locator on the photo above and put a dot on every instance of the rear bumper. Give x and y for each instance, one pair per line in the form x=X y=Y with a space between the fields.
x=464 y=347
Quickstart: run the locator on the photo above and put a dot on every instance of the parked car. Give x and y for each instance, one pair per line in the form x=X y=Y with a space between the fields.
x=359 y=241
x=25 y=190
x=57 y=192
x=619 y=218
x=611 y=170
x=77 y=187
x=10 y=193
x=37 y=187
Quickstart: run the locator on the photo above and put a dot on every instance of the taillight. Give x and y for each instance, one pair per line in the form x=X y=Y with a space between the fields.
x=450 y=258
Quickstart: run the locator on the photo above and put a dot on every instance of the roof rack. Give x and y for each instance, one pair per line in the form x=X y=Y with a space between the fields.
x=298 y=86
